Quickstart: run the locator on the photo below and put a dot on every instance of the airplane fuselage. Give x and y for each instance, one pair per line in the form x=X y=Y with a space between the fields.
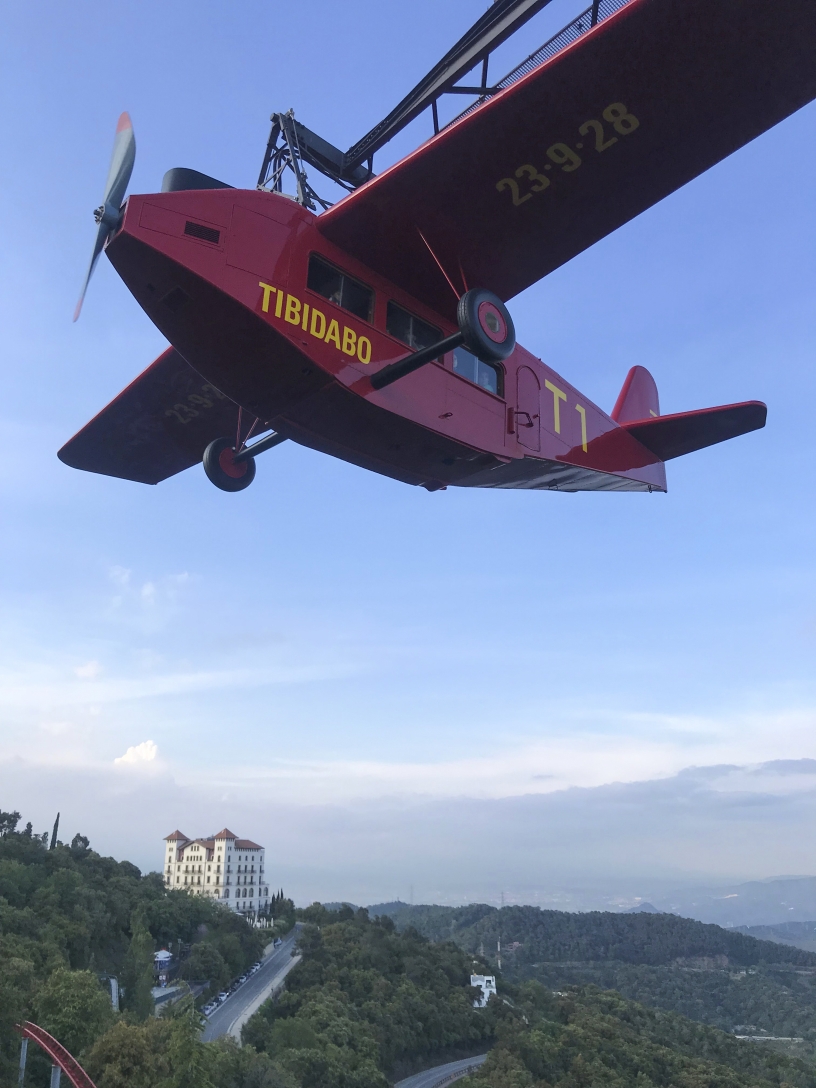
x=228 y=277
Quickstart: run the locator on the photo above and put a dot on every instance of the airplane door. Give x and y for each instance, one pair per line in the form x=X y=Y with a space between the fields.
x=528 y=405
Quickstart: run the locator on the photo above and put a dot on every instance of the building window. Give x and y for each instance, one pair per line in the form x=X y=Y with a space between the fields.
x=226 y=893
x=413 y=331
x=326 y=280
x=486 y=375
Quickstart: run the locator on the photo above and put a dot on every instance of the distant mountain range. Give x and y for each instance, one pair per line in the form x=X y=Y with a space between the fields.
x=779 y=902
x=757 y=903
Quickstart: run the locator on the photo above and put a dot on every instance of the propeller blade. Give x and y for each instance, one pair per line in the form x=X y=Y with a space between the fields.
x=107 y=214
x=99 y=245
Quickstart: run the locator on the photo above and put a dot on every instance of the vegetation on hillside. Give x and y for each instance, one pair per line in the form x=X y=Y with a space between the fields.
x=365 y=999
x=590 y=1037
x=720 y=977
x=69 y=917
x=596 y=936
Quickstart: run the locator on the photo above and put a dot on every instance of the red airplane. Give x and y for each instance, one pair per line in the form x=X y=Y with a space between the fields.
x=375 y=329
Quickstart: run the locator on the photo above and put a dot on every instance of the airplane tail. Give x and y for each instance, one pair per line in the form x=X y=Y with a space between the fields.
x=638 y=398
x=637 y=410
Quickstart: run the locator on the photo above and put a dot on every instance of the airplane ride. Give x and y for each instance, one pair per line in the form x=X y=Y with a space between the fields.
x=376 y=329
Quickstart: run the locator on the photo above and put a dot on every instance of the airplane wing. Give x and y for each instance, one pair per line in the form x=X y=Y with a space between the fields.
x=645 y=101
x=158 y=426
x=675 y=435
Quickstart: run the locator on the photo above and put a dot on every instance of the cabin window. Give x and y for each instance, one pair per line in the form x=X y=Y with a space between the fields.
x=337 y=287
x=486 y=375
x=413 y=331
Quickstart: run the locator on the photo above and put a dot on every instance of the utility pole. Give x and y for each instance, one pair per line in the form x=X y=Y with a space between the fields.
x=498 y=946
x=23 y=1056
x=54 y=833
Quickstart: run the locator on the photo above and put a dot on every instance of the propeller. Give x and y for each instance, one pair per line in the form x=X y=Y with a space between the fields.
x=107 y=214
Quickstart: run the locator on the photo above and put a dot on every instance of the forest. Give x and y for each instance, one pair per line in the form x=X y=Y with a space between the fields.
x=717 y=976
x=372 y=1001
x=595 y=936
x=590 y=1037
x=69 y=917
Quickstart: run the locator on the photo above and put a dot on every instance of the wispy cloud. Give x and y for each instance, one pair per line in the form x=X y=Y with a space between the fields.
x=576 y=848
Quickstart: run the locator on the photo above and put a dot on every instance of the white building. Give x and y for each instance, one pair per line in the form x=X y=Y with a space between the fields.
x=223 y=867
x=485 y=983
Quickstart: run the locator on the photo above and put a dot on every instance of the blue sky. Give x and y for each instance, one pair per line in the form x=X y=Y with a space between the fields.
x=332 y=638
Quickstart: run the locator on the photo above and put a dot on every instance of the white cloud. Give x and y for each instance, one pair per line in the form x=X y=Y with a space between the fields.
x=89 y=671
x=145 y=752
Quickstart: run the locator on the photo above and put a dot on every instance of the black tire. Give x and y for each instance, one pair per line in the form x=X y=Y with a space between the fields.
x=486 y=325
x=220 y=469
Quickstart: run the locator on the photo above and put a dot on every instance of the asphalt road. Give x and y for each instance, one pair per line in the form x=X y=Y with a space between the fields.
x=441 y=1074
x=236 y=1005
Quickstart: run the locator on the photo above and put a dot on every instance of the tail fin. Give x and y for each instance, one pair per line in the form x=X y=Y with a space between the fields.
x=638 y=397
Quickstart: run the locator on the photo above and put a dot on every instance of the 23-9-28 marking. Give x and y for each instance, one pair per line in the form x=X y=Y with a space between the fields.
x=561 y=154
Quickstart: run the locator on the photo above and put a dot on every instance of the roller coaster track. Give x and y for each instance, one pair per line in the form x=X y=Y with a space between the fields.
x=57 y=1053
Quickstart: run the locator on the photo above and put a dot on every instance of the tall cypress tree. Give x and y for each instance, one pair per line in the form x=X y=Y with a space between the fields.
x=137 y=973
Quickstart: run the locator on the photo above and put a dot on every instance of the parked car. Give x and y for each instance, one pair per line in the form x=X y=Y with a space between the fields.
x=278 y=942
x=223 y=995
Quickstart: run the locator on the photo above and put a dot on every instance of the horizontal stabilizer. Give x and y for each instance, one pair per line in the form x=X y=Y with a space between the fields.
x=672 y=436
x=160 y=425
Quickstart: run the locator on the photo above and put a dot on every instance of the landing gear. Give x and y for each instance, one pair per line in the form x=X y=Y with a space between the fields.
x=486 y=325
x=223 y=470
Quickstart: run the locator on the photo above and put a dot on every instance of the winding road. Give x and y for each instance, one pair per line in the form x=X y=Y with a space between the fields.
x=230 y=1017
x=442 y=1074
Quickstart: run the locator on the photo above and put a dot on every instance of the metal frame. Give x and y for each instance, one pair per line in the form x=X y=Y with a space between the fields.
x=354 y=167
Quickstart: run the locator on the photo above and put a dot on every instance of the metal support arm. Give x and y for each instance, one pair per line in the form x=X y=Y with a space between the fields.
x=394 y=371
x=262 y=446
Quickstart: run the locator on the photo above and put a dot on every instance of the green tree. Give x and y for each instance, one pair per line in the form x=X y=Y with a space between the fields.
x=131 y=1056
x=137 y=974
x=74 y=1008
x=189 y=1061
x=206 y=962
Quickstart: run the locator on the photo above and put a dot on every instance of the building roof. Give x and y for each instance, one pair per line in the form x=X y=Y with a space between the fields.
x=176 y=835
x=247 y=844
x=208 y=844
x=225 y=834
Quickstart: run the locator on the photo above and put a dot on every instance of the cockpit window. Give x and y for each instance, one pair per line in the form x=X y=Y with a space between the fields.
x=486 y=375
x=413 y=331
x=337 y=287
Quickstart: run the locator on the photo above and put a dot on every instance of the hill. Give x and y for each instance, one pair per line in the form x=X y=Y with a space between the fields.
x=596 y=936
x=757 y=902
x=718 y=977
x=799 y=934
x=589 y=1037
x=69 y=916
x=368 y=1003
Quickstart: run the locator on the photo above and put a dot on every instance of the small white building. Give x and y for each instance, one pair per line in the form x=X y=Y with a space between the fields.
x=223 y=867
x=487 y=984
